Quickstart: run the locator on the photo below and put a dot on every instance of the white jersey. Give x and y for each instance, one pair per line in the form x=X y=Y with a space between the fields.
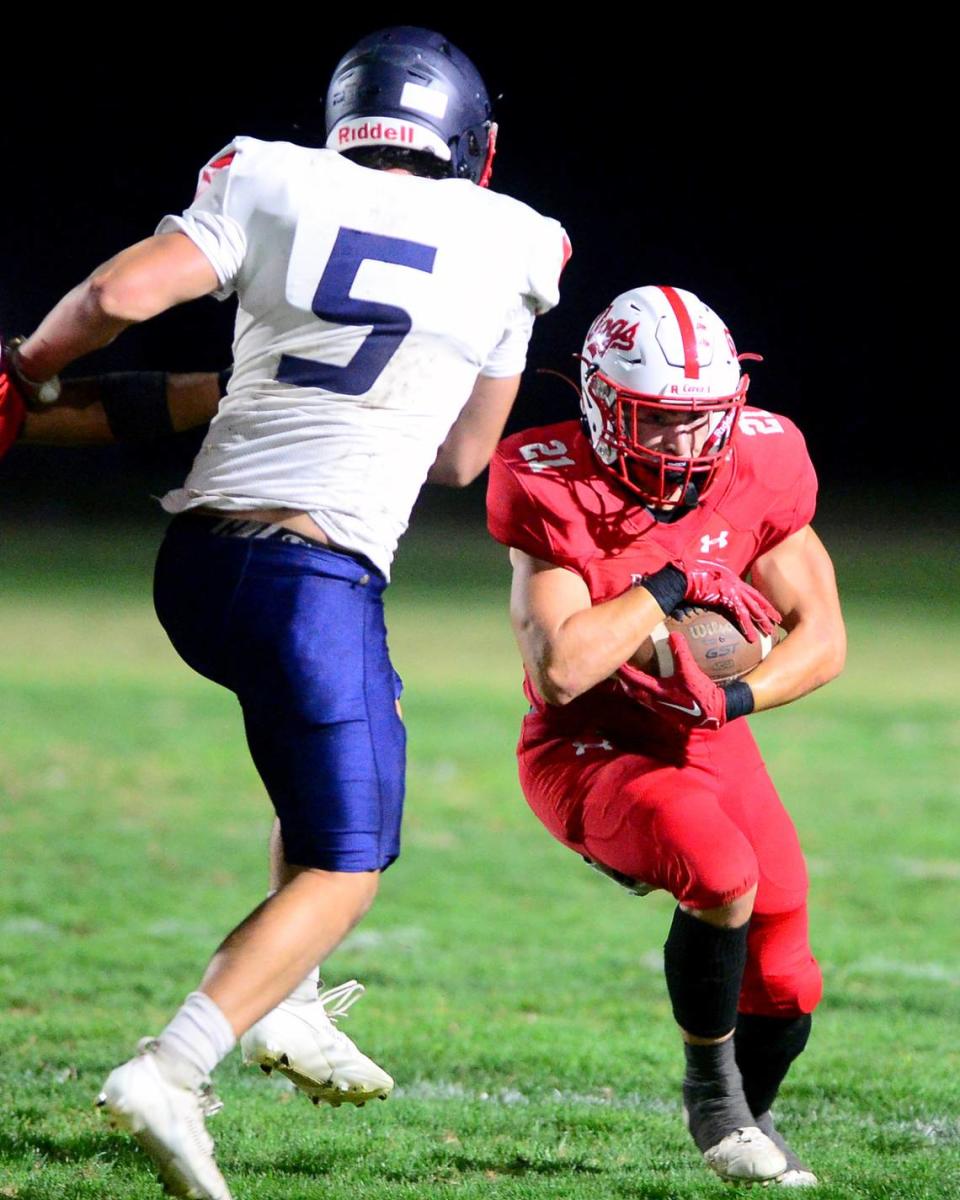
x=368 y=304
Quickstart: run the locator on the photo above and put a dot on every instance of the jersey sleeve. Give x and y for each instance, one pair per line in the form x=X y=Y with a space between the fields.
x=509 y=356
x=548 y=250
x=796 y=500
x=212 y=222
x=512 y=515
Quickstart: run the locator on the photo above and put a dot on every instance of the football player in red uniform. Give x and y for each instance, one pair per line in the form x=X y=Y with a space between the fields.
x=672 y=490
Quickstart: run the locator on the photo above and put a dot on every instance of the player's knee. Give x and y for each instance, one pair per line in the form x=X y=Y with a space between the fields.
x=363 y=891
x=783 y=996
x=709 y=869
x=367 y=887
x=726 y=893
x=732 y=915
x=352 y=890
x=782 y=978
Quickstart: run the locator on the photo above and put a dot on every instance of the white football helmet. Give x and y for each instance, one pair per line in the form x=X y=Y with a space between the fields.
x=656 y=350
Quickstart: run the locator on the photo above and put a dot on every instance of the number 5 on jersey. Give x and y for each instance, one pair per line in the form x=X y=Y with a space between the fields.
x=332 y=302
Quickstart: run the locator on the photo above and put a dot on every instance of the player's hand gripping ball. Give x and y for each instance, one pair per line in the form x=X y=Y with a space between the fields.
x=718 y=647
x=687 y=700
x=714 y=586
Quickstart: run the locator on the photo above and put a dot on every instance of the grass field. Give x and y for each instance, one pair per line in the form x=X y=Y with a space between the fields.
x=517 y=997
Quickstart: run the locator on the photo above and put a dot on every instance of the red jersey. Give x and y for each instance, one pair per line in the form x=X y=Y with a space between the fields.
x=11 y=413
x=548 y=497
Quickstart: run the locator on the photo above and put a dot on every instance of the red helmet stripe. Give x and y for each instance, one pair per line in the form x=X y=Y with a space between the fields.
x=691 y=364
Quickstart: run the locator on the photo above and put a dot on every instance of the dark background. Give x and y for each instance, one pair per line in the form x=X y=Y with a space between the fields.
x=748 y=164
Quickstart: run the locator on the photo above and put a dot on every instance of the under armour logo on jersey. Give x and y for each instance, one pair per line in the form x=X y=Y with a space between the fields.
x=583 y=747
x=720 y=541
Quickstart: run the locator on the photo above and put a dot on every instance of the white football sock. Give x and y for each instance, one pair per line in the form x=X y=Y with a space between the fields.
x=199 y=1036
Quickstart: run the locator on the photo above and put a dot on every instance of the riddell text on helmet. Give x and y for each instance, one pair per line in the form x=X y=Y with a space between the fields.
x=378 y=131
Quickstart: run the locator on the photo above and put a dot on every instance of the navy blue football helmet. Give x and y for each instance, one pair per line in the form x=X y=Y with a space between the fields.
x=410 y=88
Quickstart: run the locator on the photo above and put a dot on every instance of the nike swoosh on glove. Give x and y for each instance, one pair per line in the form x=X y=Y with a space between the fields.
x=687 y=700
x=716 y=585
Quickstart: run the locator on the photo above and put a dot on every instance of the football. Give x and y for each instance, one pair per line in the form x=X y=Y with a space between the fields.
x=719 y=648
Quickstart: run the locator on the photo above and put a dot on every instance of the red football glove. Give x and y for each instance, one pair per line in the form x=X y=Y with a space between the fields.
x=687 y=700
x=12 y=411
x=713 y=584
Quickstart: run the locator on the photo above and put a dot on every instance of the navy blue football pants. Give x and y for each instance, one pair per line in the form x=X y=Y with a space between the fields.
x=297 y=632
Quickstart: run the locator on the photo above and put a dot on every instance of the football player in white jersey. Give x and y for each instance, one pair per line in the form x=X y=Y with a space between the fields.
x=386 y=299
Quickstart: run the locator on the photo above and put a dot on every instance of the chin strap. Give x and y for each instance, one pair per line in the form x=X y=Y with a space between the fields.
x=487 y=172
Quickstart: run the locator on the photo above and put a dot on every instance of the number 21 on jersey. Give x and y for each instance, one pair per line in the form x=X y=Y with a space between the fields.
x=333 y=303
x=540 y=456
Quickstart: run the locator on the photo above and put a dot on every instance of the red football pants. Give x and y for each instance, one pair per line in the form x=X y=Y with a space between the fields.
x=705 y=827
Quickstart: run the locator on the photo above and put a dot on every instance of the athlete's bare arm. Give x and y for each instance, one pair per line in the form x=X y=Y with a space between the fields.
x=134 y=285
x=567 y=644
x=798 y=577
x=78 y=417
x=473 y=437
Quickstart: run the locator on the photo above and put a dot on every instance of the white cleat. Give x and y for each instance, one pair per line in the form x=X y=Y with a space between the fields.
x=166 y=1120
x=797 y=1174
x=303 y=1042
x=746 y=1156
x=794 y=1177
